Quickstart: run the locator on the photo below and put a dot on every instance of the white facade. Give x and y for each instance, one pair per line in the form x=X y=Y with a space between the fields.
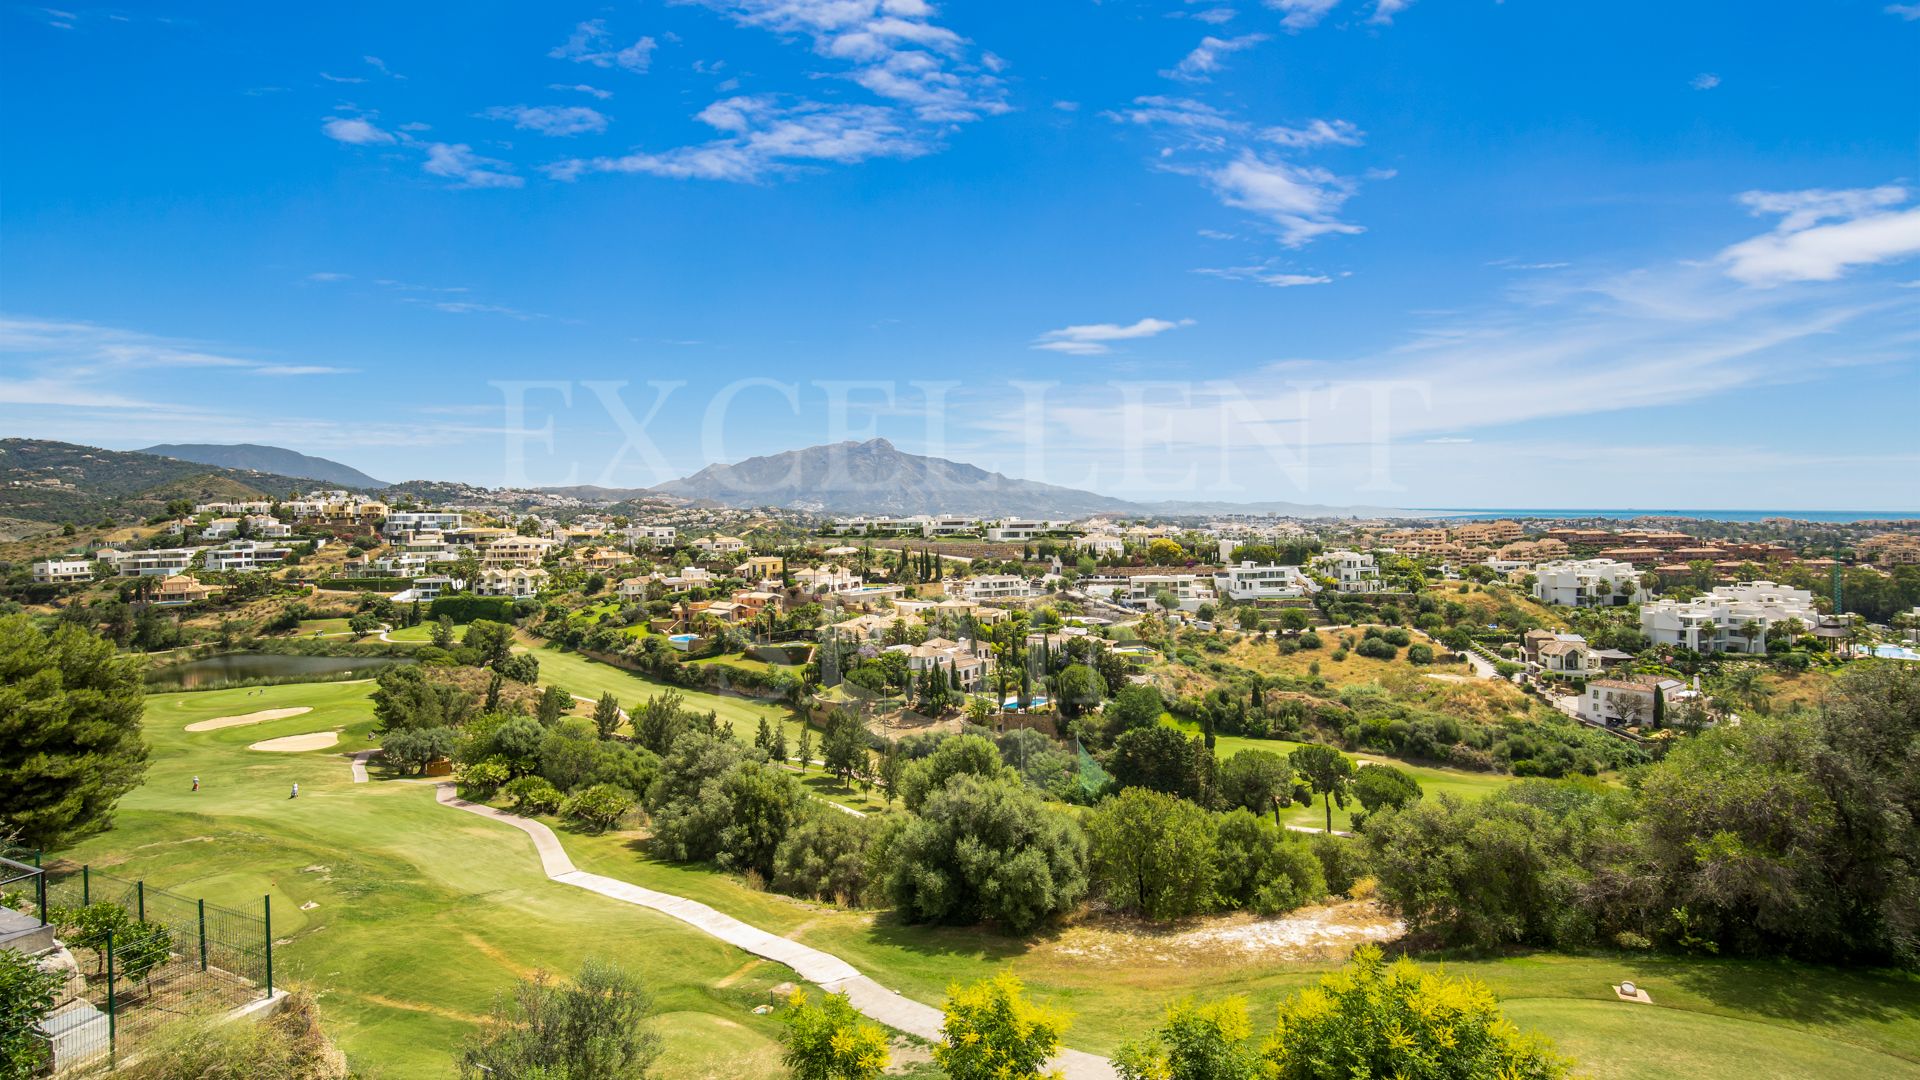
x=242 y=555
x=651 y=535
x=1191 y=590
x=1625 y=701
x=1252 y=581
x=220 y=529
x=1100 y=545
x=1021 y=530
x=1718 y=621
x=413 y=521
x=519 y=582
x=1351 y=571
x=720 y=545
x=1588 y=583
x=267 y=527
x=155 y=562
x=62 y=571
x=991 y=587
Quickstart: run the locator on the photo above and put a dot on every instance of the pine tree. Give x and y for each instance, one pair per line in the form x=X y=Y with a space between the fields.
x=778 y=751
x=763 y=739
x=806 y=746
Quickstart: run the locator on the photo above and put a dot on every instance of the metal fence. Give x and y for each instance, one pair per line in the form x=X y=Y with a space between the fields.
x=142 y=958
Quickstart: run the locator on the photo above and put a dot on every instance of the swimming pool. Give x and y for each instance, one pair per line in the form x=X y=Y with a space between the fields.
x=1895 y=652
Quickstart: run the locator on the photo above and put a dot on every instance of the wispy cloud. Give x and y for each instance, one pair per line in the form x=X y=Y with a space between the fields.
x=1266 y=274
x=356 y=131
x=591 y=43
x=1201 y=64
x=457 y=162
x=1385 y=10
x=90 y=363
x=1909 y=12
x=285 y=370
x=582 y=88
x=380 y=66
x=762 y=136
x=327 y=276
x=1302 y=14
x=1092 y=339
x=557 y=120
x=1706 y=80
x=1315 y=133
x=1823 y=233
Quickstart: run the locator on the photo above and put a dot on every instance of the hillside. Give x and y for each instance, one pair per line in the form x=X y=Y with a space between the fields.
x=42 y=480
x=267 y=459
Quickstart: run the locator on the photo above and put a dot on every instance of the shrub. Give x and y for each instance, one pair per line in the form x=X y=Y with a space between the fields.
x=597 y=1026
x=287 y=1045
x=831 y=1041
x=1419 y=654
x=1342 y=861
x=991 y=1032
x=1396 y=636
x=1308 y=640
x=533 y=795
x=825 y=858
x=987 y=849
x=1263 y=869
x=1377 y=648
x=599 y=807
x=482 y=778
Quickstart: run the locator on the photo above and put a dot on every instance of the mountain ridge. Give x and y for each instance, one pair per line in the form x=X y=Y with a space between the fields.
x=257 y=457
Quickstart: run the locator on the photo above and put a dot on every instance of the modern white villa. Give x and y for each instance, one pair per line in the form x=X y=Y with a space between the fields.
x=1252 y=581
x=1731 y=618
x=1351 y=571
x=62 y=571
x=1191 y=590
x=991 y=587
x=518 y=582
x=154 y=562
x=1588 y=583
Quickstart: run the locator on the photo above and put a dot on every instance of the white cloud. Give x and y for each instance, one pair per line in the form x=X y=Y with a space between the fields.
x=1266 y=275
x=355 y=130
x=590 y=43
x=327 y=275
x=284 y=370
x=1909 y=12
x=764 y=136
x=342 y=78
x=1316 y=133
x=1706 y=80
x=1200 y=64
x=1823 y=233
x=1216 y=16
x=582 y=88
x=380 y=66
x=1302 y=14
x=458 y=162
x=1091 y=339
x=80 y=360
x=557 y=120
x=1385 y=10
x=1302 y=202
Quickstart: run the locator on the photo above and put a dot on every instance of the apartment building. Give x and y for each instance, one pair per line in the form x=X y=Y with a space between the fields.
x=154 y=562
x=1588 y=583
x=406 y=522
x=516 y=551
x=1019 y=530
x=651 y=535
x=1252 y=581
x=1732 y=618
x=991 y=587
x=245 y=555
x=519 y=582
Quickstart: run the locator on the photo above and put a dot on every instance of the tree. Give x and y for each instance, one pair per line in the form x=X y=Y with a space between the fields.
x=992 y=1032
x=1135 y=705
x=596 y=1027
x=1078 y=689
x=1152 y=854
x=987 y=849
x=520 y=667
x=607 y=715
x=26 y=996
x=599 y=807
x=1160 y=758
x=443 y=632
x=825 y=857
x=1372 y=1018
x=892 y=769
x=831 y=1041
x=1262 y=868
x=554 y=704
x=1164 y=552
x=1383 y=787
x=70 y=743
x=405 y=698
x=965 y=755
x=660 y=722
x=844 y=749
x=1195 y=1041
x=1327 y=772
x=760 y=803
x=491 y=641
x=1254 y=779
x=420 y=746
x=362 y=624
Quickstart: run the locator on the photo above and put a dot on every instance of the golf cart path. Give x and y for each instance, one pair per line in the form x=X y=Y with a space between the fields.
x=824 y=969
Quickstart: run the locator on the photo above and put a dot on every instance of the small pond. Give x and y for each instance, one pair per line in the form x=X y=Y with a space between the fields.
x=241 y=667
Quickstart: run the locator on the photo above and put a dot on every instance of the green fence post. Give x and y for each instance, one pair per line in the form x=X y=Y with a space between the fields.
x=40 y=891
x=140 y=891
x=86 y=886
x=112 y=1017
x=267 y=908
x=203 y=933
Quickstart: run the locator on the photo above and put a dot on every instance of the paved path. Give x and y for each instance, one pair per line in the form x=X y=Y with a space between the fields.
x=824 y=969
x=359 y=759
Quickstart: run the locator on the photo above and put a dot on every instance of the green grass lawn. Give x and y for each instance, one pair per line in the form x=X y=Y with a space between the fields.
x=310 y=627
x=422 y=633
x=586 y=677
x=1434 y=780
x=422 y=914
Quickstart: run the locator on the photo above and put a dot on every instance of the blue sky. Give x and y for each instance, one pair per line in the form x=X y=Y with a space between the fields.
x=1424 y=253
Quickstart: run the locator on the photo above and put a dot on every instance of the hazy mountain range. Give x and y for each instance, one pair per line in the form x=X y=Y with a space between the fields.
x=266 y=459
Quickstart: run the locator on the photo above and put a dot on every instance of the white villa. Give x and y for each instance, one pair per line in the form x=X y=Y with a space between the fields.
x=991 y=587
x=401 y=522
x=650 y=535
x=1252 y=581
x=1191 y=590
x=1732 y=618
x=519 y=582
x=242 y=555
x=1019 y=530
x=1351 y=571
x=154 y=562
x=971 y=660
x=1625 y=701
x=720 y=545
x=1100 y=545
x=267 y=527
x=1588 y=583
x=63 y=570
x=516 y=551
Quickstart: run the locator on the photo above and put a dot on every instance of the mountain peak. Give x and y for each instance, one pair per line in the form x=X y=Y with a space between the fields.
x=266 y=459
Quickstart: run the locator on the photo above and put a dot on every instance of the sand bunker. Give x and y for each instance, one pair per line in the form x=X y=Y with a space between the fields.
x=1326 y=932
x=290 y=744
x=263 y=715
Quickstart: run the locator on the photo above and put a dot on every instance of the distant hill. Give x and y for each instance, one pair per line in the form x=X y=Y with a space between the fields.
x=875 y=477
x=267 y=459
x=42 y=480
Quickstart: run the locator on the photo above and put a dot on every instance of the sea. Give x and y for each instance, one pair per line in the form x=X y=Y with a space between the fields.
x=1835 y=516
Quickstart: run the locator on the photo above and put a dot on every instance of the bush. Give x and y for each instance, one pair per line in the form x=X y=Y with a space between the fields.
x=287 y=1045
x=599 y=807
x=533 y=795
x=1308 y=640
x=1377 y=648
x=1263 y=869
x=26 y=995
x=1419 y=654
x=598 y=1026
x=825 y=858
x=482 y=778
x=1396 y=636
x=987 y=849
x=1342 y=862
